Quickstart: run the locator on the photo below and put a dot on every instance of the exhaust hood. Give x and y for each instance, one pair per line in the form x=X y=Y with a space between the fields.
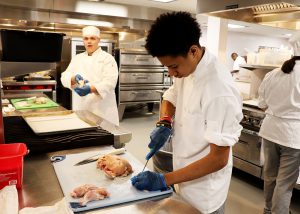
x=265 y=12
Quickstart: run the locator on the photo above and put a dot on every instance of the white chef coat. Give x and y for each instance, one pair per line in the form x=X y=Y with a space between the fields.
x=208 y=110
x=101 y=70
x=280 y=94
x=237 y=62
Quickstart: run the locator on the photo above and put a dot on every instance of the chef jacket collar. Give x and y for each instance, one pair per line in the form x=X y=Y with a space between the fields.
x=202 y=66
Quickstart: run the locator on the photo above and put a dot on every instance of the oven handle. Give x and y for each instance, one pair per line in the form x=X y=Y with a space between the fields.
x=247 y=131
x=141 y=76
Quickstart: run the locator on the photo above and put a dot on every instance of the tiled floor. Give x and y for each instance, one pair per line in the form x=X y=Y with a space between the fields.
x=246 y=191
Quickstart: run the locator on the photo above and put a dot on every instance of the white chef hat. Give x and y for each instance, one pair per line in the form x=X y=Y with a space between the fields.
x=295 y=43
x=90 y=31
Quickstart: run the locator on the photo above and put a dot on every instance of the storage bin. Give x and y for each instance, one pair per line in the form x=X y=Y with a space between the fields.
x=30 y=46
x=11 y=164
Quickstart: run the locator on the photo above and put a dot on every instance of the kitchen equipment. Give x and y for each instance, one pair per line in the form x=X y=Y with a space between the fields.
x=246 y=152
x=141 y=77
x=96 y=157
x=120 y=189
x=31 y=105
x=55 y=123
x=30 y=86
x=17 y=130
x=30 y=46
x=11 y=164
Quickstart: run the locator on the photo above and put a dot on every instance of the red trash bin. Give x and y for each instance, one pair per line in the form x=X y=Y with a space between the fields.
x=11 y=164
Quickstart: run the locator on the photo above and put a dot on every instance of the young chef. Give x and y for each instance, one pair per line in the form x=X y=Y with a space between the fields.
x=207 y=109
x=279 y=95
x=93 y=76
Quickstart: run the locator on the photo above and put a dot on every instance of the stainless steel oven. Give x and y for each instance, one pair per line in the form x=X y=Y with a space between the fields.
x=246 y=152
x=141 y=78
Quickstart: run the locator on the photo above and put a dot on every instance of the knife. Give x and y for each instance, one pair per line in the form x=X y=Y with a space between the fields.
x=96 y=157
x=26 y=99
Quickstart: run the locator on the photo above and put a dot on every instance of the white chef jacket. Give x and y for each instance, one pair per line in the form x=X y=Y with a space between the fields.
x=280 y=94
x=101 y=70
x=237 y=62
x=208 y=110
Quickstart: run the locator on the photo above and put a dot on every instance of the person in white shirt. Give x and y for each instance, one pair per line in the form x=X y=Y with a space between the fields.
x=93 y=75
x=279 y=96
x=238 y=60
x=207 y=109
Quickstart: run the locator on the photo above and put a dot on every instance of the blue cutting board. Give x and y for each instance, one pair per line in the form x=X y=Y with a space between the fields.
x=120 y=189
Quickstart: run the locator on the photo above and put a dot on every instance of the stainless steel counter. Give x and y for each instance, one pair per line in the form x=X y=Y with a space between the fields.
x=121 y=135
x=41 y=188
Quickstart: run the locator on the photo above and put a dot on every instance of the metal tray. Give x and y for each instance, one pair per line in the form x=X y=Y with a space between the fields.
x=58 y=122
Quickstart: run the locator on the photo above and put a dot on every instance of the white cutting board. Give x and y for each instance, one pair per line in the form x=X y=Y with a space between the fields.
x=120 y=189
x=42 y=125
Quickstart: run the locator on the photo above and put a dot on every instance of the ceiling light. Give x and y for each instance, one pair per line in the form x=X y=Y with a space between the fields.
x=234 y=26
x=89 y=22
x=164 y=1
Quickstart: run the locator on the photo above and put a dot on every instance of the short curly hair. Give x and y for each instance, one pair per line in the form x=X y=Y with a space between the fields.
x=172 y=34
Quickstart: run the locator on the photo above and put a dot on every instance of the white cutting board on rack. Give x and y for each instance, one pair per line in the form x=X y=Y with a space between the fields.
x=120 y=188
x=53 y=124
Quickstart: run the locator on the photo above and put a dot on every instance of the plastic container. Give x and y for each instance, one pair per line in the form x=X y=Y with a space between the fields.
x=11 y=164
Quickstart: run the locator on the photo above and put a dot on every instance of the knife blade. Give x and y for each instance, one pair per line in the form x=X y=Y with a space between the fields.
x=145 y=165
x=96 y=157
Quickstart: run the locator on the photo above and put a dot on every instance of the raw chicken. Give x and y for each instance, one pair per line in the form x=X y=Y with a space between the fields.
x=23 y=104
x=114 y=166
x=88 y=193
x=40 y=100
x=93 y=195
x=82 y=190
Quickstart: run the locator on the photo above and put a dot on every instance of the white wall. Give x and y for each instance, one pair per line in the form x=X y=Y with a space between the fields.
x=240 y=42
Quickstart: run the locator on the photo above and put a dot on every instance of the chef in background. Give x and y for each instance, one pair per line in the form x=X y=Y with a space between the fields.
x=207 y=109
x=237 y=61
x=279 y=96
x=93 y=75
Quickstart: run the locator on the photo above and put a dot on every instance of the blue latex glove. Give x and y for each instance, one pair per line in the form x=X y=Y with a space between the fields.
x=159 y=137
x=78 y=77
x=149 y=181
x=83 y=91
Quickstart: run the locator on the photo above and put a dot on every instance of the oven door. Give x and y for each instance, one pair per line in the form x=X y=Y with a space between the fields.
x=246 y=153
x=248 y=147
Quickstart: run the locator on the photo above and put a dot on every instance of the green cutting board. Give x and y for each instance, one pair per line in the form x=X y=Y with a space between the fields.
x=48 y=104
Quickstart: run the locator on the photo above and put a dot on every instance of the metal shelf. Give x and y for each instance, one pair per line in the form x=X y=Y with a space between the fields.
x=8 y=69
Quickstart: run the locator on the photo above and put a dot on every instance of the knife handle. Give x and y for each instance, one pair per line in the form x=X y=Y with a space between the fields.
x=117 y=151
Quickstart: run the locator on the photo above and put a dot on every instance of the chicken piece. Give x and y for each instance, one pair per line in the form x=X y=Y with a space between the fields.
x=82 y=190
x=114 y=166
x=40 y=100
x=23 y=104
x=93 y=195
